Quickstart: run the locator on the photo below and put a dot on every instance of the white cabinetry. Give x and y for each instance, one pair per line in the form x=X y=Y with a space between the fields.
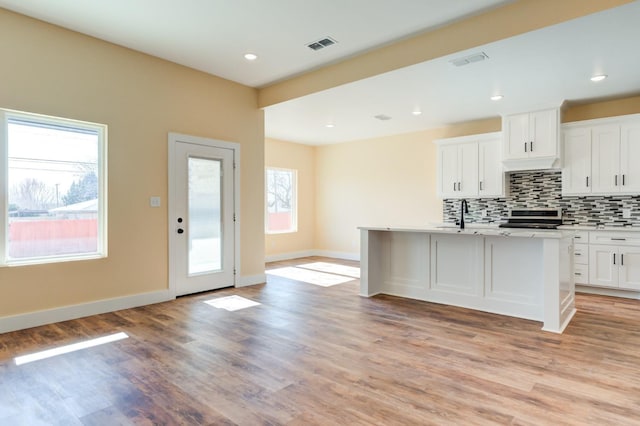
x=470 y=167
x=459 y=170
x=581 y=257
x=531 y=136
x=614 y=260
x=602 y=157
x=576 y=174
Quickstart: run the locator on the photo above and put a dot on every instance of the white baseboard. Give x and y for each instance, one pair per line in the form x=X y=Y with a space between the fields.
x=251 y=280
x=338 y=255
x=311 y=253
x=629 y=294
x=288 y=256
x=65 y=313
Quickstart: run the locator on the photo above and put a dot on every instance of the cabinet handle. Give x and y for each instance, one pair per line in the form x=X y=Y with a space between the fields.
x=618 y=239
x=587 y=181
x=622 y=180
x=614 y=258
x=577 y=254
x=454 y=187
x=531 y=146
x=622 y=259
x=577 y=273
x=577 y=237
x=616 y=177
x=525 y=147
x=480 y=185
x=459 y=186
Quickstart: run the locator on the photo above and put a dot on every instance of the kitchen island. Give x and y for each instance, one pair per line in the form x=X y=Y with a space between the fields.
x=520 y=273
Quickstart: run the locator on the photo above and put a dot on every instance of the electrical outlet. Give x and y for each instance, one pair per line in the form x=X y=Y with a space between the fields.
x=626 y=213
x=154 y=201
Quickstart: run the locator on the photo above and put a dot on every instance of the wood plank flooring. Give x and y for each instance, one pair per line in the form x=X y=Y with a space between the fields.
x=324 y=355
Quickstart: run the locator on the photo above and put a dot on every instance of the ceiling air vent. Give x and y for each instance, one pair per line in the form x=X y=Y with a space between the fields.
x=321 y=44
x=466 y=60
x=382 y=117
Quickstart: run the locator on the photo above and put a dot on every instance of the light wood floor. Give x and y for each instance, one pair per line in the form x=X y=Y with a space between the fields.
x=323 y=355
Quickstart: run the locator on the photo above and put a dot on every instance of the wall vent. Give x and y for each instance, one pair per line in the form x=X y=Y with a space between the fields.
x=321 y=44
x=469 y=59
x=382 y=117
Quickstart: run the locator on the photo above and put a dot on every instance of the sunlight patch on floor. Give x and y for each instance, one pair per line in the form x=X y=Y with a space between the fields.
x=309 y=276
x=332 y=268
x=69 y=348
x=231 y=303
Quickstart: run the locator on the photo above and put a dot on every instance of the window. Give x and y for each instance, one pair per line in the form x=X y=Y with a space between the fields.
x=52 y=189
x=282 y=209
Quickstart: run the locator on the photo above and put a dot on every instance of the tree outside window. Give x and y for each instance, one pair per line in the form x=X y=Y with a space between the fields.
x=281 y=191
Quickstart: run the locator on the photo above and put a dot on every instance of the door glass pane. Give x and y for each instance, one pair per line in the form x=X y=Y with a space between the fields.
x=204 y=225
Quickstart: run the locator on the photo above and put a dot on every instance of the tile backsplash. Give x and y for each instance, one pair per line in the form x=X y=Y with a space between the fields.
x=543 y=189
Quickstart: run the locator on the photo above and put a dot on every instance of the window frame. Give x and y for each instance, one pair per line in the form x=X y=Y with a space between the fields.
x=294 y=197
x=101 y=129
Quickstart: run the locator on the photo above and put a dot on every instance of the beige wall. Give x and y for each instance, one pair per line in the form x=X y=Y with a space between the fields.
x=610 y=108
x=302 y=158
x=389 y=180
x=52 y=71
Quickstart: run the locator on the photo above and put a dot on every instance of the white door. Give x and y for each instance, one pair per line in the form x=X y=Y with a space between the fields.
x=490 y=173
x=630 y=268
x=576 y=174
x=543 y=133
x=201 y=214
x=468 y=170
x=448 y=171
x=605 y=157
x=630 y=158
x=516 y=133
x=603 y=265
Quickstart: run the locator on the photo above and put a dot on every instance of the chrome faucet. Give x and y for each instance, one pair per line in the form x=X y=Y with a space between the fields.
x=464 y=208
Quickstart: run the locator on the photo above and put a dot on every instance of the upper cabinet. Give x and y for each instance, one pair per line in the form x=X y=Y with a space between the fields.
x=602 y=157
x=469 y=167
x=531 y=140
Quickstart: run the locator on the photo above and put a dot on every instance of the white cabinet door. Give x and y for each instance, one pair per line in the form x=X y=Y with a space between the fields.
x=543 y=133
x=516 y=134
x=468 y=170
x=603 y=265
x=448 y=171
x=630 y=158
x=630 y=268
x=576 y=173
x=490 y=173
x=605 y=159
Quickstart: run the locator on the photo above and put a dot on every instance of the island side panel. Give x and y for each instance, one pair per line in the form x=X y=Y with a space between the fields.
x=559 y=286
x=405 y=264
x=514 y=274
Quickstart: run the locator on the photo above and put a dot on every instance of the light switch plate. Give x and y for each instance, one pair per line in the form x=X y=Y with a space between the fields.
x=154 y=201
x=626 y=213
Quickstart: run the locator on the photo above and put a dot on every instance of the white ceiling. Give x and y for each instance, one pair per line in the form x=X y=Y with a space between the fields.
x=534 y=70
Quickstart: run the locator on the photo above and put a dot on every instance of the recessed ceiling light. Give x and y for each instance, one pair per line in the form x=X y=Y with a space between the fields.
x=330 y=125
x=597 y=78
x=416 y=112
x=496 y=97
x=250 y=56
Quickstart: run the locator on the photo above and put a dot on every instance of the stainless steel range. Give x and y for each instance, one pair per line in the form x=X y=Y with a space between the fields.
x=533 y=218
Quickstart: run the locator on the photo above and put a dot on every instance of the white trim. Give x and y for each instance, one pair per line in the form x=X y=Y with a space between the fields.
x=173 y=138
x=251 y=280
x=65 y=313
x=628 y=294
x=289 y=256
x=338 y=255
x=311 y=253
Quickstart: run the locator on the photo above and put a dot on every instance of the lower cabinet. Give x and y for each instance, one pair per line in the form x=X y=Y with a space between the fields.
x=613 y=261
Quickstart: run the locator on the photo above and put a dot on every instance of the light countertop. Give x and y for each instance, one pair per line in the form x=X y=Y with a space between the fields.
x=474 y=229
